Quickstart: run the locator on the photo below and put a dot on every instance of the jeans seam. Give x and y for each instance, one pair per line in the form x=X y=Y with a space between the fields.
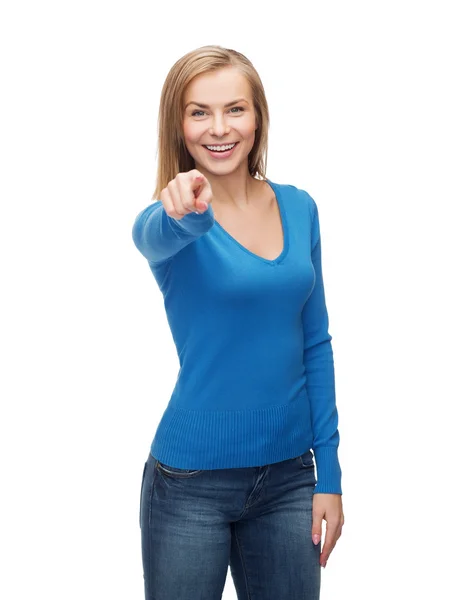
x=242 y=563
x=141 y=490
x=155 y=464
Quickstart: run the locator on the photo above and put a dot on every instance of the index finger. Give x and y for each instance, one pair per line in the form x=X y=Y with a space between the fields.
x=188 y=186
x=196 y=178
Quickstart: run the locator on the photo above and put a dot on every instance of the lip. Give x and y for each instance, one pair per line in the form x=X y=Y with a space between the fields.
x=220 y=155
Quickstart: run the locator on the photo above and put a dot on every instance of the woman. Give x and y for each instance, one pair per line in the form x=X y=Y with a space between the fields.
x=230 y=476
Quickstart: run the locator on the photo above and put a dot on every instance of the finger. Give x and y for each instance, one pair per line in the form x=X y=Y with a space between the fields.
x=195 y=177
x=176 y=197
x=189 y=188
x=331 y=536
x=202 y=193
x=168 y=205
x=316 y=531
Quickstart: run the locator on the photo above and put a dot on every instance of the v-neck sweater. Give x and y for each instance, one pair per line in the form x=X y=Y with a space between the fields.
x=256 y=383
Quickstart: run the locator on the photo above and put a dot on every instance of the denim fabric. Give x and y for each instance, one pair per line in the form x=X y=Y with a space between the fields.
x=255 y=520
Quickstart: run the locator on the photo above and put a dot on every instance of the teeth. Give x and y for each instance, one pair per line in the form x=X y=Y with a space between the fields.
x=221 y=148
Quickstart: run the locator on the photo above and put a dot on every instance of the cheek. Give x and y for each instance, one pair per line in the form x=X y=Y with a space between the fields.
x=247 y=128
x=191 y=132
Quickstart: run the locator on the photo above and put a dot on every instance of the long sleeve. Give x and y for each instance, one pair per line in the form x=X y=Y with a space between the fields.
x=319 y=367
x=159 y=237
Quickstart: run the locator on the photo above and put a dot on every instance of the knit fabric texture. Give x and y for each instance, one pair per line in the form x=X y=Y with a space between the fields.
x=256 y=383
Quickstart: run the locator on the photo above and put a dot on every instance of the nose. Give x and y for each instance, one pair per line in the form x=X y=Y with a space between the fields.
x=219 y=126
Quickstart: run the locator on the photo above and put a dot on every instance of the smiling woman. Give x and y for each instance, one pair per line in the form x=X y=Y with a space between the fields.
x=231 y=471
x=222 y=130
x=211 y=96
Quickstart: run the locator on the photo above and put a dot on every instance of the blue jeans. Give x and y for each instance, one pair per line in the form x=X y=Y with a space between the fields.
x=256 y=520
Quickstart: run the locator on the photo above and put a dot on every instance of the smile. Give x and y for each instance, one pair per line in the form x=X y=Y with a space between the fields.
x=221 y=147
x=221 y=151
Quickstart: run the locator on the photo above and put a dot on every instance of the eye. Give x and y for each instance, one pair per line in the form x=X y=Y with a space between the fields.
x=194 y=113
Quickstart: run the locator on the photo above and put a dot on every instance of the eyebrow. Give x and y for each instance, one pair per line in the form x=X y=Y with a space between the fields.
x=207 y=106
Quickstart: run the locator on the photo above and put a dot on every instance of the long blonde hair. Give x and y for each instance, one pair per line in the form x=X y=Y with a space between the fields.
x=173 y=156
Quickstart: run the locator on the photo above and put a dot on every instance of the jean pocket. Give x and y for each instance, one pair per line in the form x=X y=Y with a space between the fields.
x=176 y=472
x=306 y=460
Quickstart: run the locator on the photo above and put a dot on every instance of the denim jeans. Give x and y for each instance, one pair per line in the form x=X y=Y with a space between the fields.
x=255 y=520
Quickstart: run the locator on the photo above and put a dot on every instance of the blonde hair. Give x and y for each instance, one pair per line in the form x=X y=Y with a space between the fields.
x=173 y=156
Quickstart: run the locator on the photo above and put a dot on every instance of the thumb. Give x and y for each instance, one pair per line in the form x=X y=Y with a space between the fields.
x=316 y=528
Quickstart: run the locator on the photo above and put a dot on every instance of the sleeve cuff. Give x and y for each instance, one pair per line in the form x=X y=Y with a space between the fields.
x=328 y=470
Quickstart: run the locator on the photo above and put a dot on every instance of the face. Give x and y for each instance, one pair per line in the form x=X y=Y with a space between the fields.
x=212 y=117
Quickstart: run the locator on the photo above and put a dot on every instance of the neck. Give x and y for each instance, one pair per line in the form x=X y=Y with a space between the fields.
x=234 y=190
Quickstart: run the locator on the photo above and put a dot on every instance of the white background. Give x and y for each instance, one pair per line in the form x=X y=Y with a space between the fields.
x=363 y=100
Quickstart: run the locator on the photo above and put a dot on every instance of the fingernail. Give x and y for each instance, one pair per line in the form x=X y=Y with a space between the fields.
x=316 y=538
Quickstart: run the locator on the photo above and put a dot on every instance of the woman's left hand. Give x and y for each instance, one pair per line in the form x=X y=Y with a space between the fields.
x=330 y=508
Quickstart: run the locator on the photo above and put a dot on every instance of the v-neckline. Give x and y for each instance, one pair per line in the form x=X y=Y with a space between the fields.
x=280 y=203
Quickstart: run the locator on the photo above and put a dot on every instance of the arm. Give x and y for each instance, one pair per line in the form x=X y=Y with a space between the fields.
x=159 y=237
x=320 y=384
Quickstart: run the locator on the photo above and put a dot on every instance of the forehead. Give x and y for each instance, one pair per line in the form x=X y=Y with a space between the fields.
x=218 y=87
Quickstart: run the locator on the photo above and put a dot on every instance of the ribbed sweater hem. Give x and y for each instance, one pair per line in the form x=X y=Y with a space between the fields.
x=213 y=439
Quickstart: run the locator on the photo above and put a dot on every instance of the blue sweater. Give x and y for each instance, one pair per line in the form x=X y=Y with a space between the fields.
x=256 y=383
